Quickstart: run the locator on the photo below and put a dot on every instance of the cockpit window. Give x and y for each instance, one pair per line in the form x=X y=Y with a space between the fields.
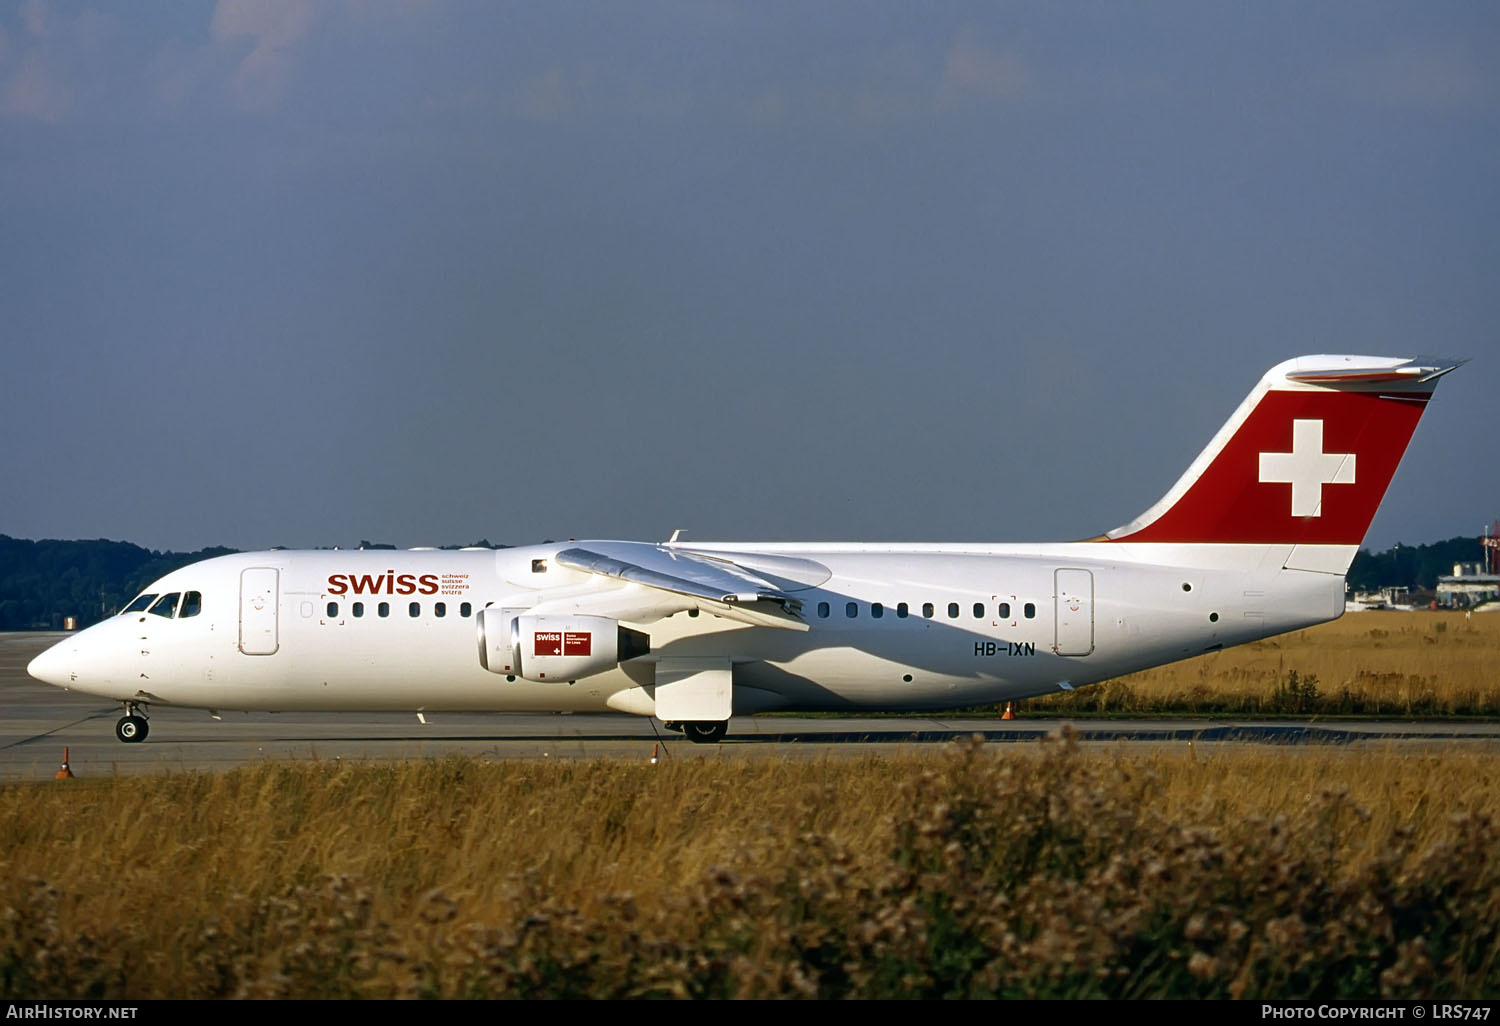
x=192 y=604
x=166 y=605
x=141 y=602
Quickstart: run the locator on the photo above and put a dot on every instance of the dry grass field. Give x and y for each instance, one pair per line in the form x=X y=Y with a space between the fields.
x=971 y=871
x=1372 y=663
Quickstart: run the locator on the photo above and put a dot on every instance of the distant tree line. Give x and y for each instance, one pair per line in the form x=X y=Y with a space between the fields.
x=42 y=582
x=1413 y=566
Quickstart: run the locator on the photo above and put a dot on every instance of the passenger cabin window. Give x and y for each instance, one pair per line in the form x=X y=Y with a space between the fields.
x=166 y=605
x=440 y=609
x=333 y=610
x=192 y=604
x=414 y=609
x=851 y=609
x=384 y=609
x=359 y=609
x=901 y=610
x=141 y=602
x=979 y=610
x=822 y=608
x=877 y=610
x=1030 y=610
x=927 y=609
x=953 y=610
x=1005 y=610
x=465 y=609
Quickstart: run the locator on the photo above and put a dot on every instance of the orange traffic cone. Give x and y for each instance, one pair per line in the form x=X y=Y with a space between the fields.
x=64 y=773
x=1009 y=713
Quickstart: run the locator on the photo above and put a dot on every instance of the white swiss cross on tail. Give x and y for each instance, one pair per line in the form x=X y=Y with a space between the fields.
x=1307 y=468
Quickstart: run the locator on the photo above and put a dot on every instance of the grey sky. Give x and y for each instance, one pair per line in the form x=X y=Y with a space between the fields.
x=297 y=273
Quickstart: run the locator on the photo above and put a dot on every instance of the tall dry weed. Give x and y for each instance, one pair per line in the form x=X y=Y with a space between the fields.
x=1043 y=871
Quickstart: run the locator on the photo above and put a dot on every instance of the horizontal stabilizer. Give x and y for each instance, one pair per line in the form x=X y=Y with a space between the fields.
x=1362 y=371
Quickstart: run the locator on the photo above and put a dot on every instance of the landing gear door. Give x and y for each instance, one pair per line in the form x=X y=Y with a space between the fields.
x=258 y=599
x=694 y=690
x=1073 y=602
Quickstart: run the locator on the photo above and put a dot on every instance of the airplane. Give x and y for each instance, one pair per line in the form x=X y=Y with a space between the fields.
x=1254 y=540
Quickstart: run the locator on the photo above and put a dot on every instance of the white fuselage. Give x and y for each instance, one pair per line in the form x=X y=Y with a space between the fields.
x=956 y=625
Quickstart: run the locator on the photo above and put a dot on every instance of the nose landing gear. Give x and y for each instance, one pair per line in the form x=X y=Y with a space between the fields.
x=132 y=727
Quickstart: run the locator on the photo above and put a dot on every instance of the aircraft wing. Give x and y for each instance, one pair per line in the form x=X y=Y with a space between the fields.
x=719 y=585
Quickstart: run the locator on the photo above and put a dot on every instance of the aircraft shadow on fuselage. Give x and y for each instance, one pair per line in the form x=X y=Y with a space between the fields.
x=890 y=636
x=914 y=645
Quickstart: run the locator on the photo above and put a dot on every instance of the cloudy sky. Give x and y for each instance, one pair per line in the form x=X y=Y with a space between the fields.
x=300 y=273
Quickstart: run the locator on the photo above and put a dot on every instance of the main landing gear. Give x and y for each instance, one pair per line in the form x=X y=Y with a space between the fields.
x=701 y=732
x=132 y=727
x=705 y=732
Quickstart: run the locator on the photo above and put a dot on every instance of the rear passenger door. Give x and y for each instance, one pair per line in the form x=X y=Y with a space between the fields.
x=1073 y=610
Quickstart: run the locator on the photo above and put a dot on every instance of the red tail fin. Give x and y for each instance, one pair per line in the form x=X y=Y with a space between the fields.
x=1305 y=460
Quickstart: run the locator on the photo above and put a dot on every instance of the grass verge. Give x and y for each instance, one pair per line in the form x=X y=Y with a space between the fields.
x=1044 y=871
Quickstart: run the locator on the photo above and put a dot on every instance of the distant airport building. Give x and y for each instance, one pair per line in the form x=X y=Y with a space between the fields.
x=1468 y=586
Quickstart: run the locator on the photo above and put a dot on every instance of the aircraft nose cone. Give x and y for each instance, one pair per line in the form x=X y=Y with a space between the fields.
x=52 y=666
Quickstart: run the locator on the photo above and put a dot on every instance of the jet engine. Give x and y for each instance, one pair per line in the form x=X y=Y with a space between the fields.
x=554 y=649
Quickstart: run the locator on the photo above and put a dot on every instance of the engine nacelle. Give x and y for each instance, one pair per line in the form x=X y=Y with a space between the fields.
x=554 y=649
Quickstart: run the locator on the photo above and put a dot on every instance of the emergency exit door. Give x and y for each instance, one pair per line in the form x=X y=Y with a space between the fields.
x=1073 y=602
